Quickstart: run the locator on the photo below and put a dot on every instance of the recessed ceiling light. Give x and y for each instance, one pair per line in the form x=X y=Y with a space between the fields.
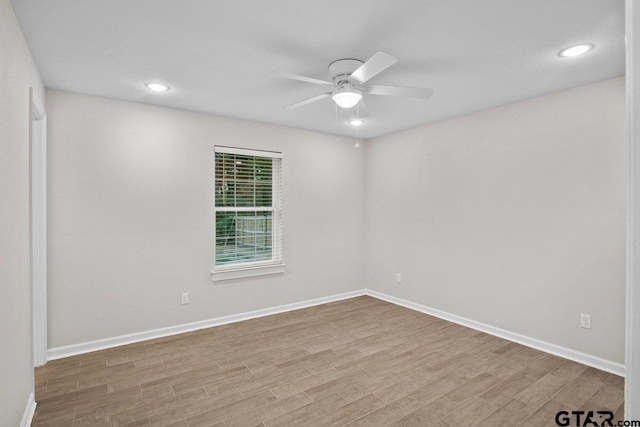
x=356 y=122
x=576 y=50
x=157 y=87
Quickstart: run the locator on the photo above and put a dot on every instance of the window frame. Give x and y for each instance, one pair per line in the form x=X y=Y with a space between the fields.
x=276 y=264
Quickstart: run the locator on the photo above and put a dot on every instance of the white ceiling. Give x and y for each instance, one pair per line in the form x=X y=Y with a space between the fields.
x=219 y=56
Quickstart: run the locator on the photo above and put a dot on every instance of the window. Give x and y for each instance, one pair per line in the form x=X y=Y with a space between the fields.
x=247 y=213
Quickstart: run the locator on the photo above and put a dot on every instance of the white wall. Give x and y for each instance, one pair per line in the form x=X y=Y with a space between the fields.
x=513 y=217
x=632 y=374
x=17 y=74
x=131 y=217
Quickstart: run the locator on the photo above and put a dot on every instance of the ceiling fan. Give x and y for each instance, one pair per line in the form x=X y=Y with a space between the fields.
x=348 y=78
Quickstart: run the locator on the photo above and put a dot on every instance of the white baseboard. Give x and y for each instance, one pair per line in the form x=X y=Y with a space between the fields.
x=586 y=359
x=29 y=411
x=72 y=350
x=576 y=356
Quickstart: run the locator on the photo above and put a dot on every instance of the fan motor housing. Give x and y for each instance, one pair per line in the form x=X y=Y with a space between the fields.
x=341 y=69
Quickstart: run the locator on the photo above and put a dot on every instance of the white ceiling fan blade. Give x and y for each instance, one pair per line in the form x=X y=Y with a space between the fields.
x=308 y=101
x=305 y=79
x=379 y=62
x=404 y=92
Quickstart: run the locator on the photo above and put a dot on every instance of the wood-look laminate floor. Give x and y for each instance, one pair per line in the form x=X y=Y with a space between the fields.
x=357 y=362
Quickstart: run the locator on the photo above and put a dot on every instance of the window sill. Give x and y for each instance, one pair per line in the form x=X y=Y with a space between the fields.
x=240 y=273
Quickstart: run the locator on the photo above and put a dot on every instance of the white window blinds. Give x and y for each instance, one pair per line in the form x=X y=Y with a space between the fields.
x=248 y=214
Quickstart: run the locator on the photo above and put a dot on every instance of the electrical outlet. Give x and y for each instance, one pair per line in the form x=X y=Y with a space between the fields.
x=585 y=321
x=398 y=278
x=185 y=298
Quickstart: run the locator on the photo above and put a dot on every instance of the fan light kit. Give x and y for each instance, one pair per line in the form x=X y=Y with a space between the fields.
x=348 y=78
x=157 y=87
x=576 y=50
x=347 y=97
